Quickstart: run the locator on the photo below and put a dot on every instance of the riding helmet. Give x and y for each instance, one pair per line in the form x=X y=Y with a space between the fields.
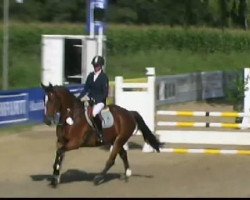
x=98 y=60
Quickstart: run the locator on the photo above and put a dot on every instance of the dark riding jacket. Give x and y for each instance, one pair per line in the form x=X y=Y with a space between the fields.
x=98 y=89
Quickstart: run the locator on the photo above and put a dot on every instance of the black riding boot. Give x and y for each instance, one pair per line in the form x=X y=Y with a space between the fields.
x=98 y=127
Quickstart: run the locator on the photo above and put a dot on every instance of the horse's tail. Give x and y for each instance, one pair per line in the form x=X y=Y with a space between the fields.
x=148 y=136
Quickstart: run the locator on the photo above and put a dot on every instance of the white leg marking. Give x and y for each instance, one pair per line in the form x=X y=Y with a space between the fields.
x=128 y=172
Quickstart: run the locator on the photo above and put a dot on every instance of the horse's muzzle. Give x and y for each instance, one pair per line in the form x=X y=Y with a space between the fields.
x=48 y=121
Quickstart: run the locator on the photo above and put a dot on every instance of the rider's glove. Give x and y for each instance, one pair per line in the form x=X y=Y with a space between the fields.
x=84 y=98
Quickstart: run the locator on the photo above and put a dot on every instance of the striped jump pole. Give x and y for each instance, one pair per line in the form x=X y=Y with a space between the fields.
x=219 y=138
x=205 y=151
x=203 y=124
x=202 y=113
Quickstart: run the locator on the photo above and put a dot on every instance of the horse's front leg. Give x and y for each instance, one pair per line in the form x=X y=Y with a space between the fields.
x=61 y=149
x=57 y=167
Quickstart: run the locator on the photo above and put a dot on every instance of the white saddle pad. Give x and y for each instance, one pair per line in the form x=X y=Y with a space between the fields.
x=107 y=118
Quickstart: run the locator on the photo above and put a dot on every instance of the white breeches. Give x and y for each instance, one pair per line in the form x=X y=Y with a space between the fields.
x=97 y=109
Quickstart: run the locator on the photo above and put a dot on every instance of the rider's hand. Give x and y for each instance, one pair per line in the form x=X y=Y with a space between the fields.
x=84 y=98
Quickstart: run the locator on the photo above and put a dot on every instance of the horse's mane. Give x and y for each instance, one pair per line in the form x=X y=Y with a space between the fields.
x=77 y=104
x=60 y=88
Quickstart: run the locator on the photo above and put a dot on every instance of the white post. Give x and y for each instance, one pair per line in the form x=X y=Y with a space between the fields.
x=145 y=102
x=246 y=102
x=151 y=107
x=100 y=40
x=118 y=87
x=5 y=75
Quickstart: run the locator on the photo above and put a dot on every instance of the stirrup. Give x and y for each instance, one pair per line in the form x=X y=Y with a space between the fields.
x=100 y=138
x=100 y=141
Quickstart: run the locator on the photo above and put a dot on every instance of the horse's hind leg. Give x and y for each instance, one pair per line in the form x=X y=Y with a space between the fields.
x=56 y=167
x=110 y=162
x=124 y=157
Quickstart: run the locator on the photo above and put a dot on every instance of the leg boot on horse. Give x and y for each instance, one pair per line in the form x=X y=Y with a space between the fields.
x=97 y=122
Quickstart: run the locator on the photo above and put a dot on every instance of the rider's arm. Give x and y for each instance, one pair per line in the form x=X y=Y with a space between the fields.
x=106 y=87
x=86 y=88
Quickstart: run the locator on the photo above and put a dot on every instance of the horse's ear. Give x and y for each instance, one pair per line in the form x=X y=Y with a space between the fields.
x=47 y=88
x=43 y=86
x=50 y=87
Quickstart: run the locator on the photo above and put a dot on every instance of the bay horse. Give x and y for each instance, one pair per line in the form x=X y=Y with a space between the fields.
x=77 y=132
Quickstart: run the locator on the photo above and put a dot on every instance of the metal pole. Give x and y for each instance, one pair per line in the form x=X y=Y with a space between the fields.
x=5 y=45
x=91 y=20
x=100 y=40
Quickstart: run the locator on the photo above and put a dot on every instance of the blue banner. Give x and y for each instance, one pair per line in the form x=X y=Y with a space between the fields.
x=13 y=108
x=25 y=106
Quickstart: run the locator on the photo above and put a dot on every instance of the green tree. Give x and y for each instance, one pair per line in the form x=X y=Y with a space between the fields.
x=213 y=13
x=242 y=11
x=122 y=11
x=224 y=6
x=234 y=13
x=48 y=10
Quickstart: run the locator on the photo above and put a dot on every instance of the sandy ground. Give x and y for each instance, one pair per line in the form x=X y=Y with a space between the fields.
x=27 y=158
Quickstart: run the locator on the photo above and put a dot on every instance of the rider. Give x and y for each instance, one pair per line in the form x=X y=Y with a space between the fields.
x=96 y=87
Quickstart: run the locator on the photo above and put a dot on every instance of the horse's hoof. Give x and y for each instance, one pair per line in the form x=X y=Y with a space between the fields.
x=123 y=177
x=55 y=181
x=98 y=179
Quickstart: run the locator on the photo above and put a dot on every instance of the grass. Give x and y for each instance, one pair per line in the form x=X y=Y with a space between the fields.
x=174 y=62
x=25 y=71
x=28 y=67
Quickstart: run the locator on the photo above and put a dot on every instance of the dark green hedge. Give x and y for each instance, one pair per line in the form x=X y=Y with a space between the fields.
x=125 y=39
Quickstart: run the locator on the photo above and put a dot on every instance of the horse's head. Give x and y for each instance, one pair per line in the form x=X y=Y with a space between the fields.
x=52 y=104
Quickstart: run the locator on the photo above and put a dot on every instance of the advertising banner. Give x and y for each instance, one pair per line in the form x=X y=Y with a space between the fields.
x=13 y=108
x=25 y=106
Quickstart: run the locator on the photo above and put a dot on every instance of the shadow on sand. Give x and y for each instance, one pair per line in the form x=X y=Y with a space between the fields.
x=74 y=175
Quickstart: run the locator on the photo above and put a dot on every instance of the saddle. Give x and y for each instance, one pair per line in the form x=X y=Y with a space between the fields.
x=105 y=115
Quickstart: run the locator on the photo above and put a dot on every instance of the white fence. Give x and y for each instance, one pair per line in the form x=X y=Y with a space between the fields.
x=142 y=97
x=138 y=97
